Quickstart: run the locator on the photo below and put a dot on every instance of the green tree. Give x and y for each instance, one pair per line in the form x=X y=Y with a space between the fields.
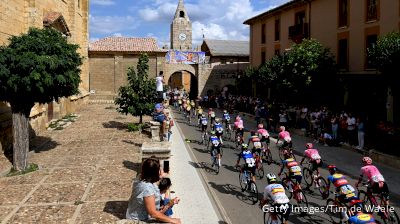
x=40 y=66
x=385 y=55
x=137 y=97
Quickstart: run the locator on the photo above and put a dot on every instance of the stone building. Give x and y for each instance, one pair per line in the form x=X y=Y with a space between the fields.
x=227 y=59
x=69 y=17
x=348 y=28
x=181 y=29
x=110 y=57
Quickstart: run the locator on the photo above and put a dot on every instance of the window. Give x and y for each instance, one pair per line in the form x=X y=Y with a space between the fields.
x=300 y=18
x=277 y=29
x=372 y=10
x=369 y=42
x=263 y=33
x=182 y=14
x=277 y=51
x=343 y=13
x=343 y=54
x=263 y=57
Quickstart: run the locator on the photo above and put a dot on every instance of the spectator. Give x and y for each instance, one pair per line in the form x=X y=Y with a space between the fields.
x=144 y=203
x=166 y=202
x=351 y=130
x=158 y=115
x=283 y=118
x=361 y=133
x=160 y=86
x=257 y=113
x=335 y=127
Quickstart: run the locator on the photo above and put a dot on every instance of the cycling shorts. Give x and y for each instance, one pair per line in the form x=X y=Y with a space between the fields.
x=315 y=165
x=265 y=139
x=203 y=128
x=293 y=176
x=252 y=169
x=384 y=190
x=278 y=211
x=240 y=132
x=217 y=148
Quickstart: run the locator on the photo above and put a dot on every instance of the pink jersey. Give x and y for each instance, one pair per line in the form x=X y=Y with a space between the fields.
x=239 y=124
x=284 y=135
x=263 y=132
x=372 y=173
x=312 y=154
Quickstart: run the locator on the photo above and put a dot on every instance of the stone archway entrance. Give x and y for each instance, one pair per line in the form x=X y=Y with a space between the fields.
x=184 y=79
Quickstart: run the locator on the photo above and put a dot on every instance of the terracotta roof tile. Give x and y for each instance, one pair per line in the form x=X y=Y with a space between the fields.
x=126 y=44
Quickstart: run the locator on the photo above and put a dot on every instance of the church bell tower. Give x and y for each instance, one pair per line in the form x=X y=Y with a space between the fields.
x=181 y=29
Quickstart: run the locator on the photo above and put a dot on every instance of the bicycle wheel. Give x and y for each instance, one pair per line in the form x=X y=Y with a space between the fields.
x=216 y=165
x=308 y=177
x=253 y=192
x=260 y=170
x=333 y=211
x=242 y=181
x=323 y=187
x=267 y=218
x=391 y=216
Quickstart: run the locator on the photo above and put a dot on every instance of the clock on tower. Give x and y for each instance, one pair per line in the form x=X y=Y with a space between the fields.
x=181 y=29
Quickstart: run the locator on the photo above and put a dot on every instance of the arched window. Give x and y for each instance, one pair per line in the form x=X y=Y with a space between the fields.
x=182 y=14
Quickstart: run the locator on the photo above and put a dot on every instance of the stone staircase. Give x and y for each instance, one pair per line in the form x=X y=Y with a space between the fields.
x=102 y=98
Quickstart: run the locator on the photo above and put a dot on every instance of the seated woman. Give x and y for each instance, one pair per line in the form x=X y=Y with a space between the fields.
x=144 y=203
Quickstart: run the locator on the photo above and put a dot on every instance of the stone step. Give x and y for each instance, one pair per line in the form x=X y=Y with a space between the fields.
x=102 y=96
x=101 y=101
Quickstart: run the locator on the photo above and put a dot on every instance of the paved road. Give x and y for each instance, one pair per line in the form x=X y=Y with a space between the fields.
x=236 y=204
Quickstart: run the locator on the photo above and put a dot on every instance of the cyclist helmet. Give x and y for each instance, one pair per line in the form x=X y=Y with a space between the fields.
x=367 y=160
x=203 y=115
x=309 y=146
x=282 y=128
x=212 y=132
x=217 y=120
x=210 y=109
x=245 y=146
x=225 y=111
x=287 y=154
x=238 y=118
x=260 y=126
x=332 y=169
x=271 y=178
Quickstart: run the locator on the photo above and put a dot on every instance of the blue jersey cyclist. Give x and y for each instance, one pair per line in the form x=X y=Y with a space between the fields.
x=219 y=130
x=215 y=145
x=226 y=117
x=346 y=192
x=249 y=161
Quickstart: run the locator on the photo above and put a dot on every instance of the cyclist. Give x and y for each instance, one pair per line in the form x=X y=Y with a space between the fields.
x=274 y=194
x=193 y=107
x=180 y=103
x=226 y=118
x=188 y=110
x=217 y=127
x=239 y=127
x=199 y=112
x=211 y=116
x=345 y=191
x=292 y=167
x=203 y=122
x=357 y=215
x=250 y=162
x=263 y=133
x=284 y=136
x=256 y=142
x=376 y=182
x=215 y=145
x=313 y=156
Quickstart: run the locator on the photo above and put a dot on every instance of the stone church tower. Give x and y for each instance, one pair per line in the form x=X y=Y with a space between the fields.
x=181 y=29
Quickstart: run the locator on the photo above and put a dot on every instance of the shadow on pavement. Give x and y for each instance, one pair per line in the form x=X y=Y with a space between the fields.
x=116 y=208
x=116 y=125
x=132 y=142
x=131 y=165
x=200 y=150
x=230 y=168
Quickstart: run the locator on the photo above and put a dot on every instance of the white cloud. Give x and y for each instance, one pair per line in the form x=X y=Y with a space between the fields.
x=93 y=39
x=102 y=2
x=112 y=24
x=117 y=34
x=163 y=12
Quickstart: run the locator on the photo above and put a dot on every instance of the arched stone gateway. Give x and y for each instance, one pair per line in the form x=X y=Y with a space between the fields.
x=182 y=75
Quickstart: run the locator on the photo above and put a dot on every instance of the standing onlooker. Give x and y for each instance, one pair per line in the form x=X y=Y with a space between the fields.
x=257 y=113
x=303 y=117
x=283 y=118
x=335 y=127
x=351 y=129
x=361 y=133
x=160 y=86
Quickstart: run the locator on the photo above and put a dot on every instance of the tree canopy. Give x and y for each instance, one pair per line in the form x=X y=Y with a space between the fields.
x=138 y=96
x=39 y=66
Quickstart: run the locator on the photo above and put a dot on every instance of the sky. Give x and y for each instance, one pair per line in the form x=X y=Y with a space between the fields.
x=217 y=19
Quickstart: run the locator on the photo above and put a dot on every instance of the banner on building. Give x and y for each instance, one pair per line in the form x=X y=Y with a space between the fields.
x=185 y=57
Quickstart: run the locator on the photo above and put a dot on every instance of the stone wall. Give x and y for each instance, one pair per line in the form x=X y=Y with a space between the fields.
x=16 y=16
x=108 y=70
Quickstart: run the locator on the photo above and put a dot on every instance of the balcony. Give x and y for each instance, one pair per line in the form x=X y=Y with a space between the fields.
x=298 y=32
